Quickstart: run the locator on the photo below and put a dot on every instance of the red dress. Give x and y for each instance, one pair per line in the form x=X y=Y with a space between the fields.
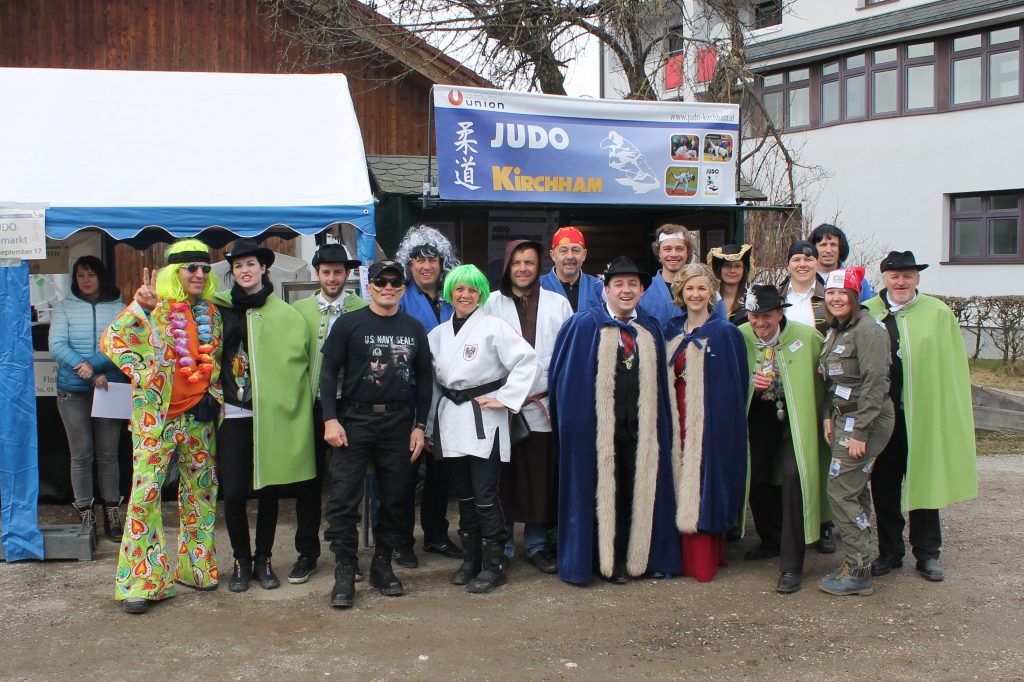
x=702 y=553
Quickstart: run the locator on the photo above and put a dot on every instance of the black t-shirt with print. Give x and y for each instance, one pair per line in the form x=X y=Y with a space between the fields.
x=379 y=359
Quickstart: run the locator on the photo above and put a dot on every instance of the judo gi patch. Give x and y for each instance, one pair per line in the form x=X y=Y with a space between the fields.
x=469 y=351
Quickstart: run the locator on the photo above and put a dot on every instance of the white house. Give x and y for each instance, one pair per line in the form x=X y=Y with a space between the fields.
x=915 y=108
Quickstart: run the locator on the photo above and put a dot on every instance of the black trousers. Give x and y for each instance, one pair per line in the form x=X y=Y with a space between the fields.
x=433 y=503
x=308 y=494
x=886 y=490
x=475 y=481
x=778 y=509
x=234 y=468
x=383 y=439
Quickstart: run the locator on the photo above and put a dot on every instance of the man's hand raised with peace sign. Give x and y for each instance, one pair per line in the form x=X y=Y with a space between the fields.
x=145 y=295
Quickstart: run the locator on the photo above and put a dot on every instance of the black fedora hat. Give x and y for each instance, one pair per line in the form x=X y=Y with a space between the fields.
x=901 y=260
x=763 y=298
x=624 y=266
x=334 y=253
x=248 y=247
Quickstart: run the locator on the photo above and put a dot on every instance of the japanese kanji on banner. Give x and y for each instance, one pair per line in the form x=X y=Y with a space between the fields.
x=500 y=146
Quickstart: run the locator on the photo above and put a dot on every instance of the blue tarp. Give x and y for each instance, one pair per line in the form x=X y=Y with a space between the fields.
x=19 y=448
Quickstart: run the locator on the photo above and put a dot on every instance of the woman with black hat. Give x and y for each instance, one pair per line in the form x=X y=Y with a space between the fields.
x=266 y=437
x=733 y=266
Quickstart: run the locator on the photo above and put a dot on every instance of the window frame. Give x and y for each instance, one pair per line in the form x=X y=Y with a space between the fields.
x=773 y=13
x=984 y=53
x=985 y=215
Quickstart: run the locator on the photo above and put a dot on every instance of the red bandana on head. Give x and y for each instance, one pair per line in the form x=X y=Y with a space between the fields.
x=567 y=235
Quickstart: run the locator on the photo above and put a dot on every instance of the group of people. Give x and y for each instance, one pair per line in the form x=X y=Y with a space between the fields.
x=622 y=421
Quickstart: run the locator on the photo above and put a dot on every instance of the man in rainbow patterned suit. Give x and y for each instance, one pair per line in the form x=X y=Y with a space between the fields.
x=168 y=342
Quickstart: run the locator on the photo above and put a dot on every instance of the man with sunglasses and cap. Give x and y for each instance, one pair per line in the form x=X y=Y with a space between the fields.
x=382 y=356
x=787 y=476
x=320 y=311
x=930 y=460
x=569 y=252
x=609 y=406
x=427 y=257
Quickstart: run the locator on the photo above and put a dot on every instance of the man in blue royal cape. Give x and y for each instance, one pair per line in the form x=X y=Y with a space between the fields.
x=674 y=246
x=610 y=409
x=427 y=257
x=569 y=252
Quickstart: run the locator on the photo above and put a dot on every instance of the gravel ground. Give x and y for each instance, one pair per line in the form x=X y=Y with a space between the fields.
x=59 y=619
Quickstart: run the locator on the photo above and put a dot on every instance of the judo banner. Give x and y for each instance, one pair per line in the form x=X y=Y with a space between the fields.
x=500 y=146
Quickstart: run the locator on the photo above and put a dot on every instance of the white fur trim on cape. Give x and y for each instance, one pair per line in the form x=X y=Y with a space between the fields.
x=688 y=452
x=646 y=478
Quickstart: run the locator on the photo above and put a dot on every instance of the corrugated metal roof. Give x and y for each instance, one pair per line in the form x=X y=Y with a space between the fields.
x=404 y=175
x=874 y=26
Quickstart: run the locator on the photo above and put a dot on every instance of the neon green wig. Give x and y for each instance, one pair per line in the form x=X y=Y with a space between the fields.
x=168 y=284
x=469 y=275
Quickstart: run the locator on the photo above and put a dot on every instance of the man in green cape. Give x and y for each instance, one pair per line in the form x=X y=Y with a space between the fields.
x=320 y=311
x=787 y=478
x=930 y=460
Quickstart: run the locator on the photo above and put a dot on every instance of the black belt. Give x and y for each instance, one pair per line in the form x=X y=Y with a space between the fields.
x=467 y=394
x=845 y=409
x=374 y=408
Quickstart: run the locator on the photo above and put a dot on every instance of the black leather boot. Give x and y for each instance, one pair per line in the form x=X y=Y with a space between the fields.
x=112 y=521
x=470 y=558
x=344 y=592
x=381 y=575
x=241 y=576
x=263 y=572
x=493 y=573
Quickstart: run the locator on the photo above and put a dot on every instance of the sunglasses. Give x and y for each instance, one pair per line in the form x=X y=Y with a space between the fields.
x=192 y=267
x=382 y=282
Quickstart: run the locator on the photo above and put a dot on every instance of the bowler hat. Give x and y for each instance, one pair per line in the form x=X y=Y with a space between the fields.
x=763 y=298
x=901 y=260
x=624 y=266
x=248 y=247
x=334 y=253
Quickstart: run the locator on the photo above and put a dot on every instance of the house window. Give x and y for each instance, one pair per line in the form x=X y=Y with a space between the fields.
x=920 y=77
x=985 y=67
x=674 y=70
x=985 y=228
x=829 y=93
x=767 y=14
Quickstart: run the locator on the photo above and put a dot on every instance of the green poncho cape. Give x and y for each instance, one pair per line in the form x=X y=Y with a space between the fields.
x=797 y=361
x=282 y=405
x=941 y=455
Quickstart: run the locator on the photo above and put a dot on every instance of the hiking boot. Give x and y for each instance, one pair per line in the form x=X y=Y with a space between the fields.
x=87 y=517
x=848 y=581
x=343 y=593
x=112 y=526
x=381 y=575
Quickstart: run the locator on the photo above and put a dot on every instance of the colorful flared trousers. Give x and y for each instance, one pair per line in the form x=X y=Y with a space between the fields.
x=143 y=568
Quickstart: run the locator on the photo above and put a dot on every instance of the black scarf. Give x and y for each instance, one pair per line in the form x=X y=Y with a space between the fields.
x=243 y=301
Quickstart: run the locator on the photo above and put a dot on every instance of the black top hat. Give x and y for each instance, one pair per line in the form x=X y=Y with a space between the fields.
x=624 y=266
x=334 y=253
x=901 y=260
x=249 y=247
x=383 y=266
x=763 y=298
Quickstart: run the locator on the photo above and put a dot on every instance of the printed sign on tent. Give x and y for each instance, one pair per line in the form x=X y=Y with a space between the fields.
x=22 y=233
x=494 y=145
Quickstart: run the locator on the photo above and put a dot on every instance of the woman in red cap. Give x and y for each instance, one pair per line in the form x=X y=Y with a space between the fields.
x=858 y=420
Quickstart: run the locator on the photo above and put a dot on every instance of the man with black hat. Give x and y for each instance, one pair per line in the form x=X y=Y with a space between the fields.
x=787 y=479
x=372 y=422
x=833 y=249
x=527 y=486
x=320 y=311
x=427 y=257
x=610 y=409
x=932 y=446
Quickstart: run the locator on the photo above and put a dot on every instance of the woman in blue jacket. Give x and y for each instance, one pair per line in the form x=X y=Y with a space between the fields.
x=77 y=324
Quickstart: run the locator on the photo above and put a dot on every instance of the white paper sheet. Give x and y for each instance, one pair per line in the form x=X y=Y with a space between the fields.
x=113 y=403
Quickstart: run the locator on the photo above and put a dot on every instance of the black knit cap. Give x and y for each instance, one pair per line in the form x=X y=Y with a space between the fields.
x=804 y=248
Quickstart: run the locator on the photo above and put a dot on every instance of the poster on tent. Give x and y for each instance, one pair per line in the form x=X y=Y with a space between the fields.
x=22 y=233
x=494 y=145
x=506 y=226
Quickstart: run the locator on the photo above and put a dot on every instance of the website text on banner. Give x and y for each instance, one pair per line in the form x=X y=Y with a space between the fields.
x=494 y=145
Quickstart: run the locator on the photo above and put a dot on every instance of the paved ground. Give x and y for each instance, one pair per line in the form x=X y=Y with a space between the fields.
x=59 y=620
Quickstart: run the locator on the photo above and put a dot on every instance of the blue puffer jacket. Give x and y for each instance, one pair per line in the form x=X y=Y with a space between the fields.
x=75 y=332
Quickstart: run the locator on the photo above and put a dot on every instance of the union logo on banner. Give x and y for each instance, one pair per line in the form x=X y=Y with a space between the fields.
x=455 y=97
